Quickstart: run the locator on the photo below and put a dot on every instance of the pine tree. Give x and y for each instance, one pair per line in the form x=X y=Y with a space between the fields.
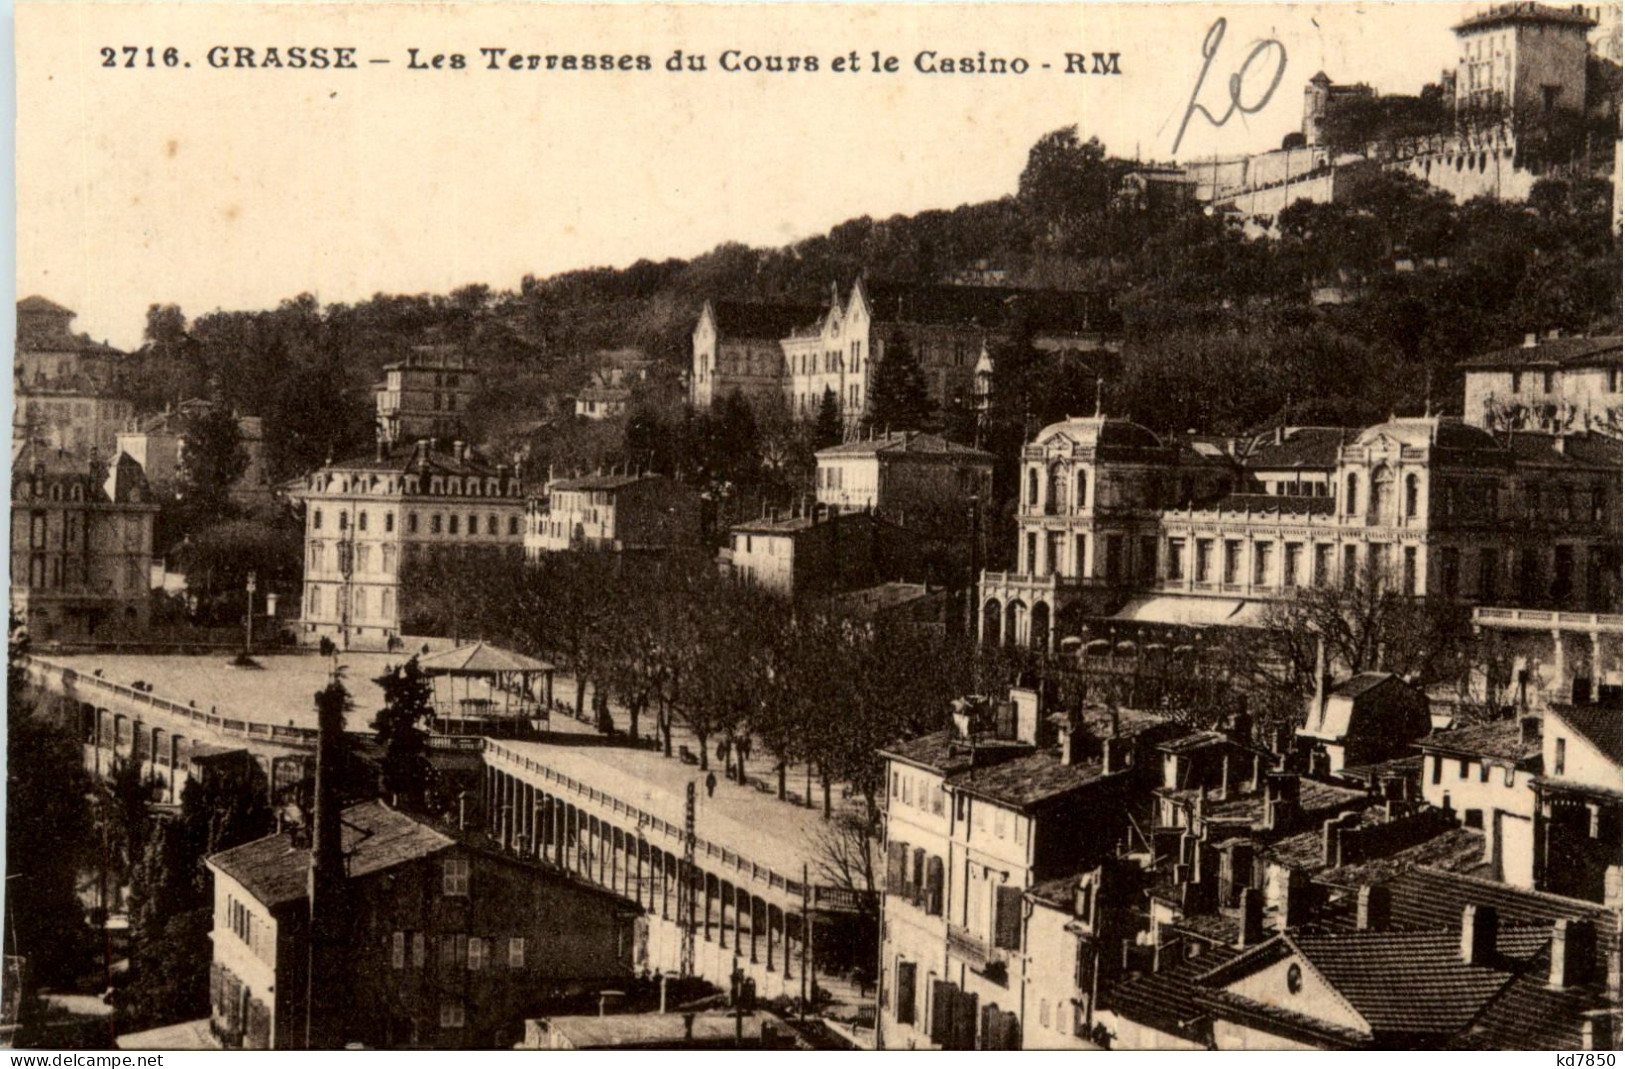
x=827 y=429
x=898 y=400
x=402 y=726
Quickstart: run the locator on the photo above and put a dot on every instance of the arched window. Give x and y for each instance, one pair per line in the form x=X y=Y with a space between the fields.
x=1351 y=495
x=1382 y=495
x=1413 y=494
x=361 y=520
x=1082 y=500
x=1032 y=486
x=1057 y=488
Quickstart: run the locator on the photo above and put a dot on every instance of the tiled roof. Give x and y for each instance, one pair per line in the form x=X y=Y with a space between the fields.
x=1554 y=352
x=1499 y=739
x=1531 y=1015
x=1308 y=448
x=935 y=751
x=1579 y=452
x=1061 y=892
x=402 y=458
x=759 y=319
x=1170 y=1000
x=38 y=304
x=1599 y=726
x=597 y=482
x=1028 y=779
x=1424 y=897
x=1359 y=683
x=480 y=658
x=375 y=837
x=1457 y=850
x=905 y=442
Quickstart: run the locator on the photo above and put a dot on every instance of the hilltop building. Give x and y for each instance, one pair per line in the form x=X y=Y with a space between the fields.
x=81 y=545
x=365 y=518
x=1551 y=384
x=904 y=475
x=158 y=444
x=64 y=384
x=1523 y=59
x=737 y=350
x=426 y=395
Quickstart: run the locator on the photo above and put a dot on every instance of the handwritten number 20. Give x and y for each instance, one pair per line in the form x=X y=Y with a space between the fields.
x=140 y=57
x=1210 y=47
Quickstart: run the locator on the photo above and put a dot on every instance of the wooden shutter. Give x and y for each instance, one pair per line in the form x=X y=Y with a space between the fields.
x=965 y=1022
x=1007 y=919
x=933 y=887
x=907 y=996
x=944 y=1001
x=916 y=889
x=896 y=867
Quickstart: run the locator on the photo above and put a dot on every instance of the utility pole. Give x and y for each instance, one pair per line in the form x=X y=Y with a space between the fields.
x=248 y=619
x=808 y=989
x=973 y=589
x=685 y=889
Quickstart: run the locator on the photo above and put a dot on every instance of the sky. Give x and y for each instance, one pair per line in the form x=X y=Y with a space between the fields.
x=235 y=188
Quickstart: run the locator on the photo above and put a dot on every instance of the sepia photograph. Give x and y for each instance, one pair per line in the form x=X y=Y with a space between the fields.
x=815 y=527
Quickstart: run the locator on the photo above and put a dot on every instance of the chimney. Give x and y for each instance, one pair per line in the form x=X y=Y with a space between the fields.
x=458 y=449
x=1478 y=925
x=323 y=1028
x=1029 y=710
x=1529 y=730
x=1251 y=927
x=1114 y=753
x=1072 y=745
x=1296 y=899
x=1317 y=711
x=1597 y=1031
x=1574 y=945
x=1371 y=908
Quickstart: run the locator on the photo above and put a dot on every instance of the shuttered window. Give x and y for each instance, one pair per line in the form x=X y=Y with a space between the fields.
x=896 y=867
x=1007 y=919
x=906 y=994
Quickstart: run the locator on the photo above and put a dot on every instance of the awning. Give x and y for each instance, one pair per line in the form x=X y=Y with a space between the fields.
x=1191 y=612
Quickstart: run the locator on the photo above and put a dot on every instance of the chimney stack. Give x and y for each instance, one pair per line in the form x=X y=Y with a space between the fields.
x=1529 y=729
x=1251 y=928
x=323 y=1028
x=1574 y=945
x=1371 y=908
x=1478 y=930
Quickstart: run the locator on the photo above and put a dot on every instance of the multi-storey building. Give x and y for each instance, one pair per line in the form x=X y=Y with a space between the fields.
x=365 y=518
x=1552 y=384
x=612 y=512
x=63 y=383
x=442 y=943
x=977 y=816
x=737 y=350
x=1203 y=534
x=81 y=545
x=902 y=474
x=1524 y=58
x=158 y=444
x=427 y=394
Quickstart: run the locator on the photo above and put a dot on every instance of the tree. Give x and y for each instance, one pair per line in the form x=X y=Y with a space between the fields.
x=845 y=857
x=827 y=427
x=402 y=730
x=898 y=400
x=48 y=821
x=1067 y=182
x=212 y=460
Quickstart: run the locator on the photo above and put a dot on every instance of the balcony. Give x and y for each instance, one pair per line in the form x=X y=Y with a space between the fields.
x=968 y=947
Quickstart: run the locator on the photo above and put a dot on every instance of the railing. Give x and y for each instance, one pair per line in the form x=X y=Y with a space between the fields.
x=835 y=898
x=291 y=736
x=1547 y=618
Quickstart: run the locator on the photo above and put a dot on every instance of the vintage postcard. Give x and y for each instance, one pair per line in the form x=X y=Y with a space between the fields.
x=827 y=527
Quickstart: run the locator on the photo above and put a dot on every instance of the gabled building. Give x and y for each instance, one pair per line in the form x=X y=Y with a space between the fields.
x=904 y=474
x=737 y=350
x=820 y=552
x=81 y=545
x=1367 y=718
x=1483 y=774
x=1577 y=822
x=442 y=943
x=1552 y=384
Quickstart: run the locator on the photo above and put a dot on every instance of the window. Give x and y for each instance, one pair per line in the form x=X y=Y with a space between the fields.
x=451 y=1015
x=476 y=954
x=455 y=876
x=1291 y=564
x=1351 y=495
x=513 y=525
x=1450 y=571
x=389 y=523
x=1517 y=382
x=397 y=950
x=1559 y=755
x=1438 y=768
x=411 y=523
x=1263 y=563
x=516 y=952
x=1462 y=768
x=344 y=521
x=434 y=524
x=361 y=520
x=1232 y=560
x=1410 y=573
x=1204 y=560
x=1413 y=493
x=452 y=526
x=316 y=520
x=420 y=950
x=1473 y=818
x=906 y=998
x=473 y=525
x=1176 y=558
x=1032 y=486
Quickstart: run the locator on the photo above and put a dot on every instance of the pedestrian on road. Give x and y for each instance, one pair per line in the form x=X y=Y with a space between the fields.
x=710 y=784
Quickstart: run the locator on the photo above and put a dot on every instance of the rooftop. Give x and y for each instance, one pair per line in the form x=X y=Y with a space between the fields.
x=1423 y=432
x=760 y=319
x=1599 y=726
x=600 y=482
x=1297 y=447
x=1551 y=352
x=405 y=458
x=906 y=442
x=1500 y=740
x=375 y=838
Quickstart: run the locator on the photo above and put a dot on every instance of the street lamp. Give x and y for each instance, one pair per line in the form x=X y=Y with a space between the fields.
x=248 y=618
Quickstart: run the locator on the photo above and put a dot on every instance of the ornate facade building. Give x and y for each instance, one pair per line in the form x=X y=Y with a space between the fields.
x=81 y=545
x=367 y=517
x=1115 y=520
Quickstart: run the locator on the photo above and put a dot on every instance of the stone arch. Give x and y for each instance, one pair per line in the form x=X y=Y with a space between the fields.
x=992 y=616
x=1015 y=621
x=1039 y=627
